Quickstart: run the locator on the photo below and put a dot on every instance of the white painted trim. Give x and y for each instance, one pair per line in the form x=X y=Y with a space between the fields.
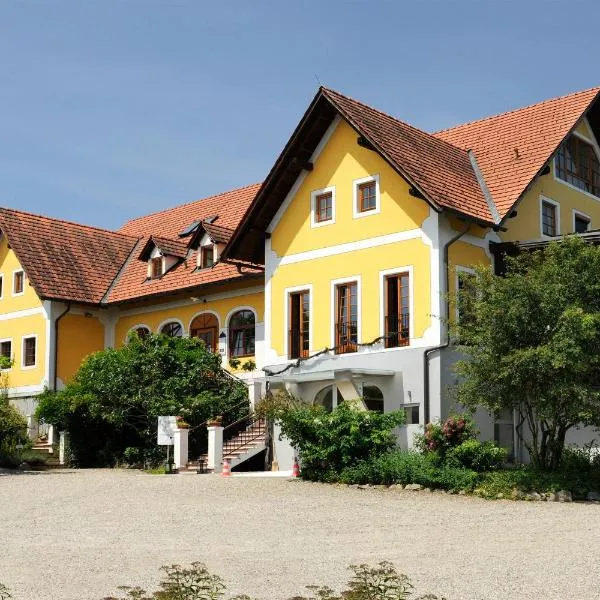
x=25 y=390
x=355 y=183
x=457 y=270
x=50 y=341
x=557 y=206
x=204 y=312
x=411 y=305
x=574 y=187
x=300 y=180
x=13 y=282
x=1 y=286
x=172 y=320
x=577 y=213
x=18 y=314
x=373 y=242
x=131 y=329
x=181 y=303
x=12 y=354
x=34 y=365
x=286 y=295
x=313 y=206
x=334 y=283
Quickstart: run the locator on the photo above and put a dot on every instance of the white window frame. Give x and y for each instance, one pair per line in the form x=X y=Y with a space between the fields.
x=11 y=352
x=557 y=207
x=382 y=275
x=1 y=286
x=13 y=282
x=334 y=283
x=286 y=303
x=357 y=182
x=412 y=405
x=458 y=270
x=313 y=207
x=132 y=329
x=35 y=364
x=577 y=213
x=184 y=333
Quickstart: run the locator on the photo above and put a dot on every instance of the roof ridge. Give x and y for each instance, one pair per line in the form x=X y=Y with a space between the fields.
x=515 y=110
x=159 y=212
x=67 y=222
x=404 y=123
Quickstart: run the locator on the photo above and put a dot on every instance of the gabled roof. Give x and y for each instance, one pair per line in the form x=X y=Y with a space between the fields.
x=217 y=233
x=64 y=260
x=513 y=147
x=166 y=246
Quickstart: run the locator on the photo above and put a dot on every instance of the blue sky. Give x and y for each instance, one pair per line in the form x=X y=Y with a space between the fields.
x=109 y=110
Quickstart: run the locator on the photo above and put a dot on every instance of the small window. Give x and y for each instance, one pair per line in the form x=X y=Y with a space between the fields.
x=367 y=196
x=549 y=219
x=1 y=286
x=6 y=349
x=29 y=351
x=156 y=267
x=207 y=257
x=324 y=208
x=412 y=415
x=172 y=329
x=373 y=398
x=18 y=282
x=581 y=223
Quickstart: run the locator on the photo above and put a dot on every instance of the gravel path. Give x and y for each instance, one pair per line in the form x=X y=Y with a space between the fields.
x=76 y=535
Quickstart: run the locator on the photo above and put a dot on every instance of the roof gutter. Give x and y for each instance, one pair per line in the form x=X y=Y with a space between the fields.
x=56 y=323
x=427 y=353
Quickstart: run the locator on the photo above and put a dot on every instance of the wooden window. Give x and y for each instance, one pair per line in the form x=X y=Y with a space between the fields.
x=582 y=223
x=324 y=207
x=577 y=163
x=156 y=267
x=18 y=282
x=397 y=312
x=207 y=257
x=346 y=310
x=299 y=320
x=1 y=285
x=172 y=329
x=549 y=226
x=29 y=351
x=6 y=349
x=367 y=196
x=206 y=328
x=241 y=334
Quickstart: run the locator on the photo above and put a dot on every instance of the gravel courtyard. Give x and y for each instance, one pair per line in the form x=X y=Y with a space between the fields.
x=77 y=535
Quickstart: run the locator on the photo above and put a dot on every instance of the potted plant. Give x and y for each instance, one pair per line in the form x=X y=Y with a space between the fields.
x=215 y=421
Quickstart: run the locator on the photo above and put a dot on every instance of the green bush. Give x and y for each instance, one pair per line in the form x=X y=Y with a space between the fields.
x=329 y=442
x=439 y=438
x=476 y=455
x=13 y=431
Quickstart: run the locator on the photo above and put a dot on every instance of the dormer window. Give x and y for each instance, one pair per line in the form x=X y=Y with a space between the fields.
x=577 y=164
x=156 y=267
x=207 y=256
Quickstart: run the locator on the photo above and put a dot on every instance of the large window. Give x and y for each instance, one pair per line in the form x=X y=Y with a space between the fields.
x=577 y=164
x=172 y=329
x=549 y=218
x=206 y=328
x=299 y=320
x=329 y=397
x=397 y=313
x=346 y=323
x=241 y=334
x=373 y=398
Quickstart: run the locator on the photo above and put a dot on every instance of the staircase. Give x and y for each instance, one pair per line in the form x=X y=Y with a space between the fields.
x=241 y=441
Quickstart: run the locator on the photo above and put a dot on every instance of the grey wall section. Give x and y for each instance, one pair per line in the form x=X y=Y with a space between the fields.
x=26 y=406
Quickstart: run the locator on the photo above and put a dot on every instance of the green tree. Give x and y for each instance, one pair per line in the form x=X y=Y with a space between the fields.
x=532 y=344
x=113 y=401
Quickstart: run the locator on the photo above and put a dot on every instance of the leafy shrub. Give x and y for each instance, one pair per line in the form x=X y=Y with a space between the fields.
x=476 y=455
x=440 y=437
x=382 y=582
x=329 y=442
x=13 y=431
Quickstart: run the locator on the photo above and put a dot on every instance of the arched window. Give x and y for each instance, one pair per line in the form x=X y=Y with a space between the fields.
x=172 y=329
x=241 y=334
x=206 y=327
x=140 y=330
x=373 y=398
x=324 y=397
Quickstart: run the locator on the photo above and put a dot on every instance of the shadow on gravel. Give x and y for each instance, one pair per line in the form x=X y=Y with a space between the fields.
x=9 y=472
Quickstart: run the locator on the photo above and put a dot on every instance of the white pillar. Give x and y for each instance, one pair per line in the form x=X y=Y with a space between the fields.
x=62 y=447
x=254 y=392
x=180 y=448
x=32 y=427
x=215 y=448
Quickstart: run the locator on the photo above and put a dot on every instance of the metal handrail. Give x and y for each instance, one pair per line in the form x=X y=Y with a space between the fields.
x=260 y=431
x=190 y=429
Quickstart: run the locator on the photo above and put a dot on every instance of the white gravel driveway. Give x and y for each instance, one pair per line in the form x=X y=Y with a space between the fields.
x=76 y=535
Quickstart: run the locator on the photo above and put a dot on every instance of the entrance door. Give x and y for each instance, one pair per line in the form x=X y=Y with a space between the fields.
x=206 y=327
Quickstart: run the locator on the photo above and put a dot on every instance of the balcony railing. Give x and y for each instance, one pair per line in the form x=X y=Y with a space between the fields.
x=346 y=337
x=298 y=343
x=397 y=330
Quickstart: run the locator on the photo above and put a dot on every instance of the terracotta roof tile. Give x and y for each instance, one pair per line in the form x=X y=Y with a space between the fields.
x=512 y=147
x=168 y=246
x=64 y=260
x=218 y=233
x=440 y=170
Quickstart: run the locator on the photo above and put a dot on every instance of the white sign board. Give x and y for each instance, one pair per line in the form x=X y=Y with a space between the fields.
x=166 y=427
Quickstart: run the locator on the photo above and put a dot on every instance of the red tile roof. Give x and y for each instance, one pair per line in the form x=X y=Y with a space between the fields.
x=167 y=246
x=512 y=147
x=217 y=233
x=64 y=260
x=440 y=170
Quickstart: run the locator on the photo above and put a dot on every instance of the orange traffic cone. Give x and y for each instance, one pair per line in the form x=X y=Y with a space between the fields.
x=226 y=469
x=296 y=468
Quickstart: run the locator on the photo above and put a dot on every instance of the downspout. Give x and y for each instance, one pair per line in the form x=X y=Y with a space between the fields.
x=429 y=351
x=62 y=314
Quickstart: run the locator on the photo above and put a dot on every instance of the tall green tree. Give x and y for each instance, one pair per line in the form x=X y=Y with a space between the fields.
x=532 y=344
